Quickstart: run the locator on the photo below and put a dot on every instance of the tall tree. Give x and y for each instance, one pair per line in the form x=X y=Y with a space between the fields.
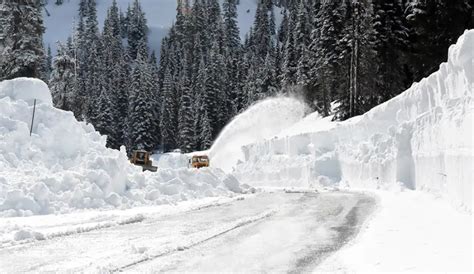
x=140 y=114
x=391 y=46
x=435 y=25
x=168 y=116
x=137 y=28
x=21 y=39
x=62 y=80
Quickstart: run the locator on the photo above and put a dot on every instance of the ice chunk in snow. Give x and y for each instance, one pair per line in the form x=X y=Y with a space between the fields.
x=26 y=89
x=24 y=234
x=231 y=183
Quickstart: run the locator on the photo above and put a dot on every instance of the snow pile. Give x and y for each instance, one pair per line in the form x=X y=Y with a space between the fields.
x=65 y=166
x=27 y=90
x=170 y=160
x=262 y=120
x=421 y=139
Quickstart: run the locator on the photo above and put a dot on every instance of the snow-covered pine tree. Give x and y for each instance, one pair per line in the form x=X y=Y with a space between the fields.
x=79 y=51
x=325 y=50
x=302 y=34
x=167 y=125
x=267 y=80
x=186 y=113
x=114 y=91
x=137 y=28
x=215 y=84
x=199 y=89
x=94 y=65
x=62 y=80
x=392 y=40
x=21 y=39
x=141 y=113
x=156 y=96
x=206 y=132
x=233 y=56
x=47 y=65
x=104 y=122
x=263 y=34
x=435 y=25
x=251 y=88
x=290 y=63
x=213 y=10
x=359 y=36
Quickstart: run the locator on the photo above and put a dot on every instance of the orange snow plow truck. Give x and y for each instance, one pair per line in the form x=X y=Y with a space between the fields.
x=198 y=161
x=142 y=158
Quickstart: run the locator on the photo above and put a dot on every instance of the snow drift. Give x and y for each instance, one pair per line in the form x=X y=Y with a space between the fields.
x=421 y=139
x=65 y=166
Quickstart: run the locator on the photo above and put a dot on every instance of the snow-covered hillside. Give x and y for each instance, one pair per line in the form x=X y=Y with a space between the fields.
x=59 y=20
x=422 y=139
x=64 y=166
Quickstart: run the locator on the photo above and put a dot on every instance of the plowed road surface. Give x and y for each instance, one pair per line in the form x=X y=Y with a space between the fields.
x=267 y=232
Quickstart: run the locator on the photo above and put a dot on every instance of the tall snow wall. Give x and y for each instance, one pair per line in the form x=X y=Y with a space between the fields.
x=421 y=139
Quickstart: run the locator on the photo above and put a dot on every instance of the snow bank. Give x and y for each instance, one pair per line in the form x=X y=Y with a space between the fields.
x=170 y=160
x=26 y=89
x=411 y=231
x=421 y=139
x=262 y=120
x=65 y=166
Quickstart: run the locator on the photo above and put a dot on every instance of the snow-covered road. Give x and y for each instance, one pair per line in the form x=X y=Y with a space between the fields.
x=263 y=232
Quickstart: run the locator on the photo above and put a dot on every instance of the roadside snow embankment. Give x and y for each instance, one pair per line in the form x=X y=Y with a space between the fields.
x=65 y=166
x=421 y=139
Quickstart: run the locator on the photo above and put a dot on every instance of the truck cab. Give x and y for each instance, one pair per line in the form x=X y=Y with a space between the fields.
x=198 y=161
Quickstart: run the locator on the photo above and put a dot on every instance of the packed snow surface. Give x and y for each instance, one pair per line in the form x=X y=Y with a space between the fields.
x=261 y=121
x=65 y=166
x=411 y=231
x=421 y=139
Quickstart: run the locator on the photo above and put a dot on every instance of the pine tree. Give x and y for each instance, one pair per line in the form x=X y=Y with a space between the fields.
x=156 y=96
x=233 y=57
x=114 y=85
x=435 y=26
x=47 y=65
x=290 y=63
x=326 y=49
x=21 y=39
x=137 y=28
x=167 y=125
x=185 y=116
x=104 y=122
x=141 y=118
x=268 y=78
x=92 y=66
x=263 y=34
x=62 y=80
x=214 y=87
x=79 y=52
x=359 y=38
x=391 y=43
x=206 y=132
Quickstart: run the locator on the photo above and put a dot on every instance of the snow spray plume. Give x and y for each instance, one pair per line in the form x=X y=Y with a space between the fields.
x=263 y=120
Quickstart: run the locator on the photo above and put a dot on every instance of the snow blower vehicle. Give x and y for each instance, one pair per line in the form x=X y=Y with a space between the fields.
x=142 y=158
x=198 y=161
